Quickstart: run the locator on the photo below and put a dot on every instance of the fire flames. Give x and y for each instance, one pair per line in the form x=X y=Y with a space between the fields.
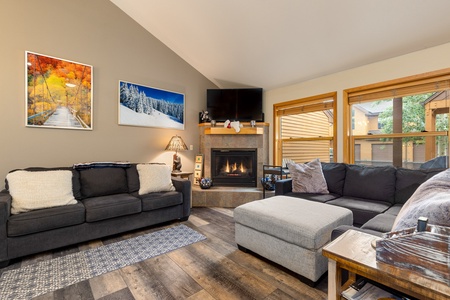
x=234 y=167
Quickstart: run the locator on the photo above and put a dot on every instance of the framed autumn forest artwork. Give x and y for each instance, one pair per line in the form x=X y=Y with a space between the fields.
x=141 y=105
x=58 y=93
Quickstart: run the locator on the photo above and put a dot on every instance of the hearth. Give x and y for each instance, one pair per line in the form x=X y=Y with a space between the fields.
x=234 y=167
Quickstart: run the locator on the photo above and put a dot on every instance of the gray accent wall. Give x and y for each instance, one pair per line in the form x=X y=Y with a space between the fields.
x=97 y=33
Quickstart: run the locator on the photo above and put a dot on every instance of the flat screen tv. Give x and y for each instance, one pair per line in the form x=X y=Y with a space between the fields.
x=241 y=105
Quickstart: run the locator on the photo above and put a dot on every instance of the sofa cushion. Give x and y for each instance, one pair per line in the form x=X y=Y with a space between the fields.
x=103 y=181
x=334 y=174
x=154 y=178
x=37 y=190
x=382 y=223
x=46 y=219
x=160 y=200
x=363 y=209
x=108 y=207
x=308 y=178
x=133 y=178
x=407 y=181
x=431 y=200
x=394 y=209
x=375 y=183
x=313 y=197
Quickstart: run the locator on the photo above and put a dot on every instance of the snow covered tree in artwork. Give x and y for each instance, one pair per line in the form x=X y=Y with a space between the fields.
x=139 y=102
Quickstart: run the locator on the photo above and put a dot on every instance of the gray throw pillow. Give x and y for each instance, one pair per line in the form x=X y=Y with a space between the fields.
x=308 y=178
x=431 y=200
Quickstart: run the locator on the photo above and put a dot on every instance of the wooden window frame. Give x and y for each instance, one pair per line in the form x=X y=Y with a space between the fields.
x=303 y=105
x=406 y=86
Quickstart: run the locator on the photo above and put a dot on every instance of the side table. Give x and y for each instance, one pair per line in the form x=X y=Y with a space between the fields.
x=353 y=251
x=182 y=174
x=273 y=170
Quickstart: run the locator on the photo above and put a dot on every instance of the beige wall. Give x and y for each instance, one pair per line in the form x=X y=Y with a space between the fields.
x=427 y=60
x=96 y=33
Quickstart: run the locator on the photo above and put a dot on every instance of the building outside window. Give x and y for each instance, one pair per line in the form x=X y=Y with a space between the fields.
x=305 y=130
x=403 y=123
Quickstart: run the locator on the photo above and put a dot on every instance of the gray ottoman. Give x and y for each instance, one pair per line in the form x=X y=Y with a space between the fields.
x=290 y=231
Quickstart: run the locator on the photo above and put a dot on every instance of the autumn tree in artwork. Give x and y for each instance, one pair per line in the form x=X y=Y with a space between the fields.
x=53 y=83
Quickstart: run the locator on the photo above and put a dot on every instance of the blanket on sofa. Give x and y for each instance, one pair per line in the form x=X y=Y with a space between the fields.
x=431 y=200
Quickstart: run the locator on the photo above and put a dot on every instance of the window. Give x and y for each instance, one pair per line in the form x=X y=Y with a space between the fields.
x=402 y=122
x=304 y=129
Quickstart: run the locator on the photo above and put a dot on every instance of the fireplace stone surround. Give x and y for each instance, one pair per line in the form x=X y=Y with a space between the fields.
x=220 y=137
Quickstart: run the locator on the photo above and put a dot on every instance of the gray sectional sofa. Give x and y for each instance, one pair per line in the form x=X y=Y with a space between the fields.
x=107 y=202
x=375 y=195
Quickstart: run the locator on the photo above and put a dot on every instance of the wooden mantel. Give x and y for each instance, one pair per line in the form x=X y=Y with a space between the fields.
x=246 y=129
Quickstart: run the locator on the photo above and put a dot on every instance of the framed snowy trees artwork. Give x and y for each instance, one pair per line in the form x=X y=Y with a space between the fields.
x=58 y=93
x=141 y=105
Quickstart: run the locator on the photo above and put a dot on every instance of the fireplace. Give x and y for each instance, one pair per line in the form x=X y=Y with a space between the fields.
x=234 y=167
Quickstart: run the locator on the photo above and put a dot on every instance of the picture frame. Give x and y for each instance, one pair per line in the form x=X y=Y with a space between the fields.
x=197 y=177
x=146 y=106
x=199 y=158
x=198 y=168
x=58 y=93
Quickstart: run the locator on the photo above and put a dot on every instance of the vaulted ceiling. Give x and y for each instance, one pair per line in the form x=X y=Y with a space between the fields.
x=274 y=43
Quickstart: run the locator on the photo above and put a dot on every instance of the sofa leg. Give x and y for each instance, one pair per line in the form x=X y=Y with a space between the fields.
x=243 y=249
x=184 y=219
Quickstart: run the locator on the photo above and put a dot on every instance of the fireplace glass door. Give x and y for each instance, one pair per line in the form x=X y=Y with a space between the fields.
x=234 y=167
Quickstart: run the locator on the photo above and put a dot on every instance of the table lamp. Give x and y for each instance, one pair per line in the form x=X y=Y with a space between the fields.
x=176 y=144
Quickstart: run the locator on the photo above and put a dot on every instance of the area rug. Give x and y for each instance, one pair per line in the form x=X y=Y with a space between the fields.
x=46 y=276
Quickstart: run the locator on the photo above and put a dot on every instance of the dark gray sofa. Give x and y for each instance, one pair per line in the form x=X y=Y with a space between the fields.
x=107 y=203
x=375 y=195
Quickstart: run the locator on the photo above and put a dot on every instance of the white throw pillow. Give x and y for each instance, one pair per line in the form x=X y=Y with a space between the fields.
x=431 y=200
x=308 y=178
x=41 y=189
x=154 y=178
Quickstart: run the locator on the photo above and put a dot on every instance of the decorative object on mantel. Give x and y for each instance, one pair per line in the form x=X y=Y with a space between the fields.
x=425 y=252
x=176 y=144
x=205 y=183
x=235 y=124
x=204 y=116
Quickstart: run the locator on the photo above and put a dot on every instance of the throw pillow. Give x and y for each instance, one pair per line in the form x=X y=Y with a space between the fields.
x=431 y=200
x=103 y=182
x=154 y=178
x=308 y=178
x=37 y=190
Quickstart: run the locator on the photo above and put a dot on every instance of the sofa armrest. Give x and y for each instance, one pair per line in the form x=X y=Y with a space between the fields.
x=283 y=186
x=5 y=211
x=5 y=206
x=184 y=186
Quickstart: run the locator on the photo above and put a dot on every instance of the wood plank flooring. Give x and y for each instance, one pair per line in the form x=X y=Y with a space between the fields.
x=211 y=269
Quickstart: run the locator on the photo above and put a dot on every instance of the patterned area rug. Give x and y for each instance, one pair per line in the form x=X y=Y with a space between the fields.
x=50 y=275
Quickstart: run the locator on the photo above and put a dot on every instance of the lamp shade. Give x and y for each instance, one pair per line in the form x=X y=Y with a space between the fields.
x=176 y=144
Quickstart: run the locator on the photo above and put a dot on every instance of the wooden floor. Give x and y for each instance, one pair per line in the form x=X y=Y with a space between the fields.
x=211 y=269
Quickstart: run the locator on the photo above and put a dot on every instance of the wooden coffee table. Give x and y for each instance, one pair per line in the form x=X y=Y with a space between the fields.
x=352 y=251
